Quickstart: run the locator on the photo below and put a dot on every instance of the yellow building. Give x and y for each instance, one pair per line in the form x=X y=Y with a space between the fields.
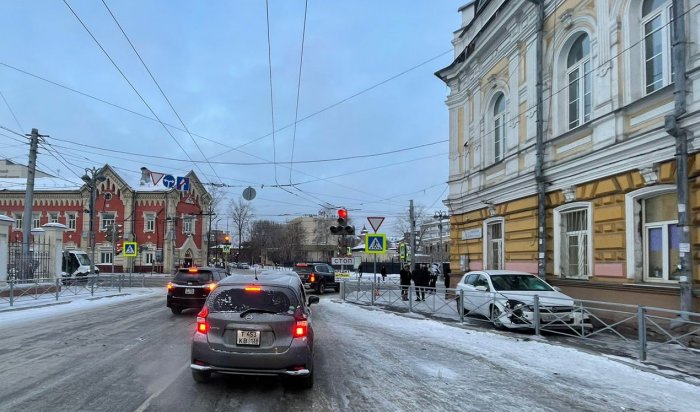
x=612 y=229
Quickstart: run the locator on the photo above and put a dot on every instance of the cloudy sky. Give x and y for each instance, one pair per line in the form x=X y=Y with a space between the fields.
x=367 y=92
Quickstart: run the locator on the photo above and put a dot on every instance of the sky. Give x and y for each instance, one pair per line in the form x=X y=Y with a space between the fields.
x=367 y=87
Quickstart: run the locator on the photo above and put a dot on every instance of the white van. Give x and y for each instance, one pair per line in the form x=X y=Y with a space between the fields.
x=75 y=266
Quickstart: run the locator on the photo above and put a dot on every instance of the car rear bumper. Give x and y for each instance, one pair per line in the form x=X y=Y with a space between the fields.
x=293 y=361
x=181 y=302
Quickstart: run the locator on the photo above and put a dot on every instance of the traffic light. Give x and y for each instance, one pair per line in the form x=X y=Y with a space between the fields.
x=226 y=239
x=342 y=228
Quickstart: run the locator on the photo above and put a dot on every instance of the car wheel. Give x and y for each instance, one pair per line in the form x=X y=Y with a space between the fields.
x=201 y=376
x=495 y=314
x=321 y=288
x=176 y=310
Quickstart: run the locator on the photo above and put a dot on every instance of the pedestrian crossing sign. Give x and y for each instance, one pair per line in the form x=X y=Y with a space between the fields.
x=131 y=249
x=375 y=243
x=227 y=248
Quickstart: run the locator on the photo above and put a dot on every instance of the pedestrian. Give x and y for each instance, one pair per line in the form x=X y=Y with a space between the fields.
x=420 y=279
x=432 y=284
x=359 y=271
x=405 y=278
x=383 y=272
x=446 y=275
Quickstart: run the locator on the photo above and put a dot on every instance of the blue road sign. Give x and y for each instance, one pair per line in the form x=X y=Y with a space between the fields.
x=183 y=184
x=168 y=181
x=375 y=243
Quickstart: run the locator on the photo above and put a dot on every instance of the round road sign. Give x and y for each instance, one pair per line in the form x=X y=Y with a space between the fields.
x=249 y=193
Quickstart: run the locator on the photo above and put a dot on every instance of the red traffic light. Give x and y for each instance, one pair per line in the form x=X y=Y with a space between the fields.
x=342 y=214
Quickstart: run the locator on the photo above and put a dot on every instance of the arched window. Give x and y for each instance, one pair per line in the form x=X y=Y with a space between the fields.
x=656 y=16
x=578 y=70
x=499 y=127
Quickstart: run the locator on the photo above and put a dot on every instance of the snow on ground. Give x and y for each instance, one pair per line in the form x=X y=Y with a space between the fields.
x=528 y=357
x=72 y=304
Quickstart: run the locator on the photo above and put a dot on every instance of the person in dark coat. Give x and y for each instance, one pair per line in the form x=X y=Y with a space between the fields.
x=421 y=277
x=383 y=272
x=405 y=277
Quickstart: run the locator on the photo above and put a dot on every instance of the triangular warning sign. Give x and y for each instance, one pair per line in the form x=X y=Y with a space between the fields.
x=375 y=222
x=375 y=244
x=129 y=250
x=155 y=177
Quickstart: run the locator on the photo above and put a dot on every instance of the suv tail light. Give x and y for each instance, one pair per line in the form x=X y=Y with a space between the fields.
x=170 y=287
x=301 y=329
x=312 y=277
x=211 y=286
x=202 y=324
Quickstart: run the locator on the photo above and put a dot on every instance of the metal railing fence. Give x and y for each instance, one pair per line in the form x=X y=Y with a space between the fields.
x=648 y=330
x=13 y=291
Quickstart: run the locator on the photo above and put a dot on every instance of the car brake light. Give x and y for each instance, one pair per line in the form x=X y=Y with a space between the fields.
x=202 y=324
x=312 y=277
x=253 y=289
x=193 y=270
x=211 y=286
x=301 y=329
x=170 y=287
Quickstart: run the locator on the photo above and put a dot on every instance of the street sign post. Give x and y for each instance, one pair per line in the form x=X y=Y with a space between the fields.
x=131 y=249
x=375 y=222
x=375 y=243
x=226 y=248
x=169 y=181
x=342 y=261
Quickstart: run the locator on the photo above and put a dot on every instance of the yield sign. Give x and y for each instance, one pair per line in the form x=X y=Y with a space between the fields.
x=375 y=222
x=155 y=177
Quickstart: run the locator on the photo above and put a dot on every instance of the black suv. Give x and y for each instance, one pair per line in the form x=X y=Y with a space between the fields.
x=317 y=276
x=191 y=286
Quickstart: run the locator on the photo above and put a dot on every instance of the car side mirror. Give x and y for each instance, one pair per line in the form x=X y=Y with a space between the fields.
x=481 y=288
x=313 y=299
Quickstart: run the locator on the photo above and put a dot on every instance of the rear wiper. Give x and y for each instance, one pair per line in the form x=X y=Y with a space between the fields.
x=256 y=310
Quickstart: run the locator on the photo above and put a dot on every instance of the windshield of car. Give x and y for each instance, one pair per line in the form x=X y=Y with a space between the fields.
x=303 y=269
x=83 y=259
x=239 y=299
x=518 y=282
x=199 y=276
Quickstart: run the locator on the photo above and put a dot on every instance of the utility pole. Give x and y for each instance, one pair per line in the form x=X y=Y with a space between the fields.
x=91 y=177
x=685 y=278
x=411 y=214
x=28 y=204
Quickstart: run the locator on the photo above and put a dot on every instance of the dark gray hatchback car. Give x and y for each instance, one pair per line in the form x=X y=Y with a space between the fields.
x=255 y=325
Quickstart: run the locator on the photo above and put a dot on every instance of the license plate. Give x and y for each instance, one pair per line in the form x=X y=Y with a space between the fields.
x=189 y=291
x=248 y=337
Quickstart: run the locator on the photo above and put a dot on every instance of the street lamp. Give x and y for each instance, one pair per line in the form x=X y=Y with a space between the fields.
x=91 y=178
x=440 y=215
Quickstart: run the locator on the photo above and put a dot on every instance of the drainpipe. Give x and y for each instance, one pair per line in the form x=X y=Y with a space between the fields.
x=681 y=135
x=539 y=146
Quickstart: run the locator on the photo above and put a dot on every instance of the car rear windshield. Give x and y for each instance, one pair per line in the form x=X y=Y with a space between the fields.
x=304 y=269
x=201 y=276
x=518 y=282
x=238 y=300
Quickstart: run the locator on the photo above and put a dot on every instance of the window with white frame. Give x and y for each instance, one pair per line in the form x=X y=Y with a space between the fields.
x=188 y=224
x=149 y=222
x=661 y=237
x=53 y=217
x=150 y=258
x=70 y=220
x=106 y=256
x=573 y=244
x=107 y=221
x=18 y=221
x=494 y=244
x=499 y=127
x=36 y=220
x=656 y=17
x=578 y=72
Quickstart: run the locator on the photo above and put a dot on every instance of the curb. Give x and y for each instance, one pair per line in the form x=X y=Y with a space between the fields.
x=46 y=305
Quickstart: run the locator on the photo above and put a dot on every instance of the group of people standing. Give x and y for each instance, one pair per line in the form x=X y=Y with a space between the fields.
x=422 y=278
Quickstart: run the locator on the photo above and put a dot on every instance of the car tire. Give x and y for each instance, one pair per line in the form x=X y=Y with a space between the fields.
x=459 y=306
x=175 y=310
x=321 y=289
x=201 y=376
x=495 y=314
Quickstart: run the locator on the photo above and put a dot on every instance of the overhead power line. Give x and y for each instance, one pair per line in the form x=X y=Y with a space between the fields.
x=296 y=109
x=11 y=111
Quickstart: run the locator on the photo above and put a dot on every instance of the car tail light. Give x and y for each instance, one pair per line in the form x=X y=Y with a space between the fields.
x=211 y=287
x=312 y=277
x=202 y=324
x=193 y=270
x=170 y=287
x=253 y=289
x=301 y=329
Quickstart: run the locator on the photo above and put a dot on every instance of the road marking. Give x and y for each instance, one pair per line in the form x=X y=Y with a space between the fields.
x=147 y=402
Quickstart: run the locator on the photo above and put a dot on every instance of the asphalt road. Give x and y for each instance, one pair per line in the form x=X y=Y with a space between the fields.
x=135 y=357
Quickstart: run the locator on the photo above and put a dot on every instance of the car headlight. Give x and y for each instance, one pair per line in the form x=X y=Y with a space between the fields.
x=514 y=304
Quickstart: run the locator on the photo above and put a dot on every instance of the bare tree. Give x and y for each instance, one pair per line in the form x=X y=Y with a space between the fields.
x=265 y=238
x=403 y=223
x=241 y=215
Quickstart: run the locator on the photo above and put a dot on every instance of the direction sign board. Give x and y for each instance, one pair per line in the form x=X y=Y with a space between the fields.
x=342 y=261
x=375 y=243
x=168 y=181
x=375 y=222
x=183 y=184
x=131 y=249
